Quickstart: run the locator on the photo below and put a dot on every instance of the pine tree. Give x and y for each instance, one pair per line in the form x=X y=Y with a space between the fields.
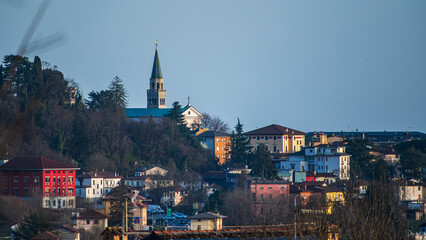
x=240 y=144
x=118 y=93
x=32 y=225
x=117 y=207
x=262 y=163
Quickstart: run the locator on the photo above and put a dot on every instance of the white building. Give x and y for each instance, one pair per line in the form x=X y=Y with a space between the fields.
x=411 y=191
x=325 y=158
x=93 y=185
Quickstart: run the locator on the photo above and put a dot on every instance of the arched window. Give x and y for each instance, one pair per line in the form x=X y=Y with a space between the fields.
x=158 y=86
x=161 y=86
x=152 y=85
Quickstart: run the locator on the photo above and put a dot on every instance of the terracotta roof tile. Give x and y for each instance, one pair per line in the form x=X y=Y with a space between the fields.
x=275 y=129
x=35 y=163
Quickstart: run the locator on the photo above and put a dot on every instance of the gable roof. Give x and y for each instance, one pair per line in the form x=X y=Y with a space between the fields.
x=35 y=163
x=207 y=215
x=100 y=174
x=67 y=228
x=275 y=129
x=90 y=214
x=46 y=235
x=214 y=134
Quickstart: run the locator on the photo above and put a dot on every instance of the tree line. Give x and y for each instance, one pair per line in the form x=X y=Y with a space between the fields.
x=42 y=113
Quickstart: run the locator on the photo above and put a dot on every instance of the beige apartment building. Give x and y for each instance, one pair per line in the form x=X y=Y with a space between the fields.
x=277 y=139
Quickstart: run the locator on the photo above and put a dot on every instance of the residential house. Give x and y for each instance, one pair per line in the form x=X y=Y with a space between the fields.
x=149 y=182
x=140 y=215
x=173 y=197
x=334 y=195
x=411 y=191
x=46 y=235
x=219 y=143
x=90 y=219
x=268 y=195
x=206 y=221
x=145 y=171
x=113 y=233
x=277 y=139
x=327 y=158
x=93 y=185
x=67 y=232
x=30 y=177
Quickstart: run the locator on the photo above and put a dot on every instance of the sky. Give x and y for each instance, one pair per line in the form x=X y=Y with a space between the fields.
x=308 y=65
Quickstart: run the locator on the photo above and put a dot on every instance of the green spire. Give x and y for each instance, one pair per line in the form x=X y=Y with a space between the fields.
x=156 y=69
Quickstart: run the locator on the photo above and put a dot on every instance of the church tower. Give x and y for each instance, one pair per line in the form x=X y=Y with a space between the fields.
x=156 y=93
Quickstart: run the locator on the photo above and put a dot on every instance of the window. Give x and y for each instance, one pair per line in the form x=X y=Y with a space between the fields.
x=269 y=188
x=261 y=188
x=87 y=221
x=63 y=179
x=270 y=197
x=15 y=191
x=275 y=137
x=47 y=171
x=26 y=192
x=257 y=138
x=26 y=180
x=261 y=198
x=59 y=179
x=266 y=137
x=16 y=179
x=217 y=148
x=54 y=179
x=70 y=179
x=70 y=202
x=47 y=190
x=199 y=227
x=93 y=182
x=36 y=180
x=54 y=203
x=94 y=191
x=69 y=171
x=282 y=187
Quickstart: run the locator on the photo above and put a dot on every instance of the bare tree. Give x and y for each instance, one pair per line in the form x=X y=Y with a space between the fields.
x=214 y=123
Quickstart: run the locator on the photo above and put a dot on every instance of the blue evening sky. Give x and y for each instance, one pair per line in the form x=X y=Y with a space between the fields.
x=308 y=65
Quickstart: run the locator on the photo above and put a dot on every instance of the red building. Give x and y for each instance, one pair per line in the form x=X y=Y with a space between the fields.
x=267 y=195
x=32 y=177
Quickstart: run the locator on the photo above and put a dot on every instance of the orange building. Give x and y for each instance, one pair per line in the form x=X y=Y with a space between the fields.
x=218 y=142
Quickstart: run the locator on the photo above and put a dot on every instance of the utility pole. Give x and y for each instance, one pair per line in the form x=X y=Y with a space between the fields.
x=295 y=226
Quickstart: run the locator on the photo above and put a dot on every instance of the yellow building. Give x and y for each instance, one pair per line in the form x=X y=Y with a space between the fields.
x=333 y=196
x=206 y=221
x=277 y=139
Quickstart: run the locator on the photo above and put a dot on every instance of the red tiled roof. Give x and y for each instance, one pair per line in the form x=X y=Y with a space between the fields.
x=35 y=163
x=275 y=129
x=100 y=174
x=90 y=214
x=46 y=236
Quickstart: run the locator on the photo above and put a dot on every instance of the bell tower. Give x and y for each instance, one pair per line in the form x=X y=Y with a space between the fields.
x=156 y=94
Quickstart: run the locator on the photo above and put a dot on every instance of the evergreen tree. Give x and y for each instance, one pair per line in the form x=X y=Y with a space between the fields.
x=118 y=93
x=175 y=114
x=240 y=144
x=32 y=225
x=262 y=163
x=1 y=76
x=361 y=157
x=117 y=208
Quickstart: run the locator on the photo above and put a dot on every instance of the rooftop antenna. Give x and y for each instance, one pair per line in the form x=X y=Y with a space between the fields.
x=156 y=45
x=188 y=100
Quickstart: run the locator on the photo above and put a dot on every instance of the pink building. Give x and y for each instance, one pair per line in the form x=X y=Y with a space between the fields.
x=267 y=195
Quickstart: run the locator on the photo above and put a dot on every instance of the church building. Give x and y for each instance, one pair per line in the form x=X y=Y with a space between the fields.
x=157 y=101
